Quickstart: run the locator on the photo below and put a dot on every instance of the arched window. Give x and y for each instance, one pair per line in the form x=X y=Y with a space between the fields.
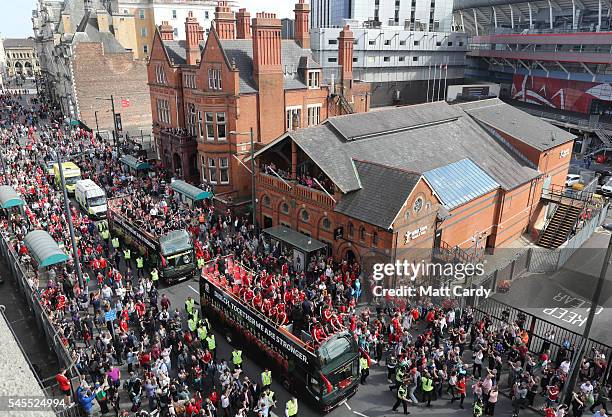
x=362 y=233
x=374 y=239
x=326 y=224
x=305 y=216
x=266 y=201
x=285 y=208
x=351 y=229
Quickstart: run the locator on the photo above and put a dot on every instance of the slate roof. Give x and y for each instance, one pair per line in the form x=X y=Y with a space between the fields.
x=87 y=31
x=18 y=43
x=529 y=129
x=384 y=191
x=424 y=137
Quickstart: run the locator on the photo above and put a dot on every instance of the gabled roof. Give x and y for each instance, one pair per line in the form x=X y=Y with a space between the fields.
x=18 y=43
x=88 y=31
x=416 y=138
x=529 y=129
x=382 y=195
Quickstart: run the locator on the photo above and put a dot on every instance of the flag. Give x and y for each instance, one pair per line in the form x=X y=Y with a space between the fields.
x=125 y=102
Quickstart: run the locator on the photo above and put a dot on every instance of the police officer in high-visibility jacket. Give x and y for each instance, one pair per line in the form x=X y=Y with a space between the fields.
x=127 y=257
x=364 y=368
x=155 y=277
x=399 y=378
x=201 y=263
x=192 y=324
x=202 y=332
x=402 y=397
x=291 y=409
x=190 y=306
x=140 y=267
x=212 y=345
x=427 y=388
x=266 y=378
x=106 y=237
x=237 y=359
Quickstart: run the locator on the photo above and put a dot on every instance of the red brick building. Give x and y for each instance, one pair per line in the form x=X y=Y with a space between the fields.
x=206 y=95
x=382 y=185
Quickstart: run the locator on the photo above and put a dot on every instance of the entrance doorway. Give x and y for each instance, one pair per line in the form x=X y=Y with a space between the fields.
x=350 y=256
x=267 y=221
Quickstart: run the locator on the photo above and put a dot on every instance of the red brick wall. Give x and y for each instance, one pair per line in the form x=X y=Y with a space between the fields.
x=97 y=74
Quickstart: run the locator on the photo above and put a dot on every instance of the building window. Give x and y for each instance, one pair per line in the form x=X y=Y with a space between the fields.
x=402 y=43
x=285 y=208
x=191 y=119
x=221 y=130
x=416 y=43
x=174 y=14
x=354 y=59
x=294 y=118
x=305 y=216
x=388 y=42
x=386 y=59
x=160 y=75
x=206 y=15
x=210 y=129
x=351 y=229
x=371 y=42
x=438 y=43
x=266 y=201
x=175 y=32
x=362 y=234
x=145 y=49
x=326 y=224
x=313 y=79
x=214 y=79
x=200 y=126
x=314 y=115
x=450 y=43
x=460 y=43
x=332 y=42
x=401 y=58
x=212 y=170
x=224 y=170
x=143 y=32
x=163 y=111
x=374 y=239
x=141 y=14
x=332 y=59
x=415 y=58
x=190 y=81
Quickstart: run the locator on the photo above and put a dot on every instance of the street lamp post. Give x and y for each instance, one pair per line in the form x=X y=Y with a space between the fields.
x=115 y=134
x=253 y=191
x=97 y=128
x=576 y=363
x=75 y=252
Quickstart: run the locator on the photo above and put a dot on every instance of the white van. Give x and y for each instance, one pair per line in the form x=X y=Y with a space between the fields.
x=91 y=198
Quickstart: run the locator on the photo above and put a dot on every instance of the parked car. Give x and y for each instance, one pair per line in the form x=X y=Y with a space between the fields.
x=606 y=189
x=571 y=179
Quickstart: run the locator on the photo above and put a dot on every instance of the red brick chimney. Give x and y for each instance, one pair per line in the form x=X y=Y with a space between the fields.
x=268 y=73
x=225 y=23
x=166 y=31
x=345 y=58
x=192 y=38
x=243 y=24
x=302 y=34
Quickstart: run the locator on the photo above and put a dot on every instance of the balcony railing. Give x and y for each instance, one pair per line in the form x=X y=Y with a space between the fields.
x=178 y=135
x=295 y=190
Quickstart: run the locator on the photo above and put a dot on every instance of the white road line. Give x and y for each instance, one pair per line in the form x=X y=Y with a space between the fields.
x=359 y=414
x=193 y=289
x=347 y=406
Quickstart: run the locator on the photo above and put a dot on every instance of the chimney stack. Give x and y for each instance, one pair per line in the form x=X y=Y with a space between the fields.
x=345 y=58
x=268 y=74
x=243 y=24
x=225 y=23
x=302 y=17
x=166 y=32
x=192 y=42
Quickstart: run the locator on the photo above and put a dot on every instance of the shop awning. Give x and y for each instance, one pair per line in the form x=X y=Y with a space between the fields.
x=296 y=239
x=134 y=163
x=190 y=191
x=9 y=197
x=43 y=249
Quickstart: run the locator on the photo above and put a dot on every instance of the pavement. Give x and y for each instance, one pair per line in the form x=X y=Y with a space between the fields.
x=371 y=400
x=564 y=297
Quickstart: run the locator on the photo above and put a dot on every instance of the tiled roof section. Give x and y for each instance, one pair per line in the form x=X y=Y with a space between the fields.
x=460 y=182
x=384 y=192
x=87 y=31
x=309 y=63
x=240 y=51
x=529 y=129
x=417 y=148
x=18 y=43
x=176 y=51
x=393 y=119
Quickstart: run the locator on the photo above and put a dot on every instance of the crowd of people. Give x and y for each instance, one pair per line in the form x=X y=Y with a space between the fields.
x=157 y=356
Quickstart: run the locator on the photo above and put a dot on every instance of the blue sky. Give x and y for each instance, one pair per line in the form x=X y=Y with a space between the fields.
x=16 y=15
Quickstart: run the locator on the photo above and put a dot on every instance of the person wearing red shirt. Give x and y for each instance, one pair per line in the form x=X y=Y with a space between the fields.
x=64 y=384
x=460 y=391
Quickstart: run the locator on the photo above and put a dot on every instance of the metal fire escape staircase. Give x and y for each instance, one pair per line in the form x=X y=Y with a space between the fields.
x=560 y=226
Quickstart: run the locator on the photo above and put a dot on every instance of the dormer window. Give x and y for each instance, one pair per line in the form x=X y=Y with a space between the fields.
x=314 y=79
x=214 y=79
